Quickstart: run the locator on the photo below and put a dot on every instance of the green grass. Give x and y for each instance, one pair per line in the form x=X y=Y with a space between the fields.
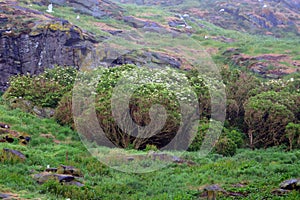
x=261 y=171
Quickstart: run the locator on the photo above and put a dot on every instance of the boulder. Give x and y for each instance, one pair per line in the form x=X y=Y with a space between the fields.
x=134 y=22
x=46 y=176
x=43 y=112
x=146 y=58
x=176 y=23
x=7 y=135
x=75 y=183
x=291 y=184
x=63 y=169
x=6 y=196
x=12 y=155
x=63 y=174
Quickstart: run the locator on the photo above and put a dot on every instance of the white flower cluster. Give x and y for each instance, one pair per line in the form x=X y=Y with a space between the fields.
x=280 y=83
x=146 y=81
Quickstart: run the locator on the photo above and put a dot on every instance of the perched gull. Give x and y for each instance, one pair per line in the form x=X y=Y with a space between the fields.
x=78 y=17
x=50 y=8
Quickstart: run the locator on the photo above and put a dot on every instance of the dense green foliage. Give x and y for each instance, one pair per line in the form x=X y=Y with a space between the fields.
x=292 y=132
x=43 y=90
x=259 y=171
x=260 y=113
x=261 y=109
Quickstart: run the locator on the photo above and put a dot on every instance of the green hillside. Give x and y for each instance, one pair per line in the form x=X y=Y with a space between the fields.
x=166 y=99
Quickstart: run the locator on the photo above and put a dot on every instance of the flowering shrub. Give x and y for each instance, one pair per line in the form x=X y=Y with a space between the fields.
x=43 y=90
x=149 y=88
x=173 y=90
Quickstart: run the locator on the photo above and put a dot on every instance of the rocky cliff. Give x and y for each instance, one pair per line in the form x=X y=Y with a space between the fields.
x=31 y=41
x=270 y=17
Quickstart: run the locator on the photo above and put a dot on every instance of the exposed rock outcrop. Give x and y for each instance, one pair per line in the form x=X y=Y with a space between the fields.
x=266 y=65
x=146 y=58
x=12 y=155
x=154 y=2
x=95 y=8
x=287 y=186
x=291 y=184
x=67 y=175
x=8 y=135
x=28 y=45
x=260 y=17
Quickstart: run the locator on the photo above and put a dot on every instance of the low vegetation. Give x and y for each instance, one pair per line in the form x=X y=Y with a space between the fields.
x=256 y=172
x=258 y=149
x=261 y=110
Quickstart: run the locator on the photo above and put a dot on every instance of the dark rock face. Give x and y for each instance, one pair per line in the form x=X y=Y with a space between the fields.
x=33 y=52
x=145 y=58
x=96 y=8
x=31 y=41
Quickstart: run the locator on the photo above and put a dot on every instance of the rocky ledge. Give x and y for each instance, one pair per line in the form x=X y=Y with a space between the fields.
x=265 y=65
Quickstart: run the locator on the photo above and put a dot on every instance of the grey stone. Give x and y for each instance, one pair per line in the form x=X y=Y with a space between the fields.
x=291 y=184
x=59 y=2
x=14 y=153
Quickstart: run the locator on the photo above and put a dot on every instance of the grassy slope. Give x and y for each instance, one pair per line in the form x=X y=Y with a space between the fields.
x=260 y=171
x=249 y=44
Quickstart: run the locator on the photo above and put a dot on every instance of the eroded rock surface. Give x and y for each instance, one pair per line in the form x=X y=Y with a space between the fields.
x=31 y=45
x=67 y=175
x=266 y=65
x=96 y=8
